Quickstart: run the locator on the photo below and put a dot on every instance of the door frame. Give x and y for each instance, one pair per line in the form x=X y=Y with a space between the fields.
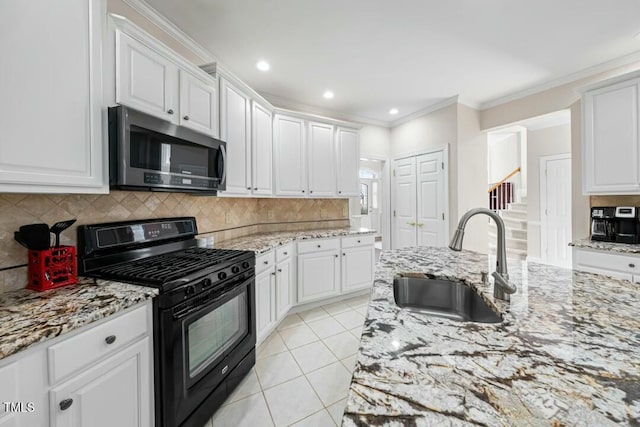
x=445 y=158
x=385 y=202
x=543 y=202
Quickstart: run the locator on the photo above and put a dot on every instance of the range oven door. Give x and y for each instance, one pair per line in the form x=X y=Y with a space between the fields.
x=198 y=348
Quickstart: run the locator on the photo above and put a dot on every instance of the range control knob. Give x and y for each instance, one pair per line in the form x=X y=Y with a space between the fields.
x=222 y=275
x=206 y=283
x=235 y=269
x=245 y=264
x=189 y=290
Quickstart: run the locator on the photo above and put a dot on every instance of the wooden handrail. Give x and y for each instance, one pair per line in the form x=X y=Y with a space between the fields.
x=513 y=172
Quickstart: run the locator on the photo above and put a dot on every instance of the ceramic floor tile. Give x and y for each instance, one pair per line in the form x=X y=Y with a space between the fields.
x=326 y=327
x=273 y=344
x=359 y=301
x=337 y=411
x=247 y=387
x=350 y=319
x=313 y=314
x=319 y=419
x=330 y=382
x=363 y=310
x=342 y=345
x=313 y=356
x=298 y=336
x=292 y=401
x=336 y=307
x=350 y=362
x=249 y=412
x=276 y=369
x=357 y=331
x=290 y=321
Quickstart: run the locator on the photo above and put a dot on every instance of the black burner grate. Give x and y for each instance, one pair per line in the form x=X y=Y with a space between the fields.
x=164 y=268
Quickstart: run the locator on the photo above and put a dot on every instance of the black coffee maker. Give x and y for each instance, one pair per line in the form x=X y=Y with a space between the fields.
x=603 y=224
x=627 y=226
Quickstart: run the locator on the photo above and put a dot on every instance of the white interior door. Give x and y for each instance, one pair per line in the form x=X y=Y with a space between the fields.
x=555 y=206
x=404 y=197
x=430 y=203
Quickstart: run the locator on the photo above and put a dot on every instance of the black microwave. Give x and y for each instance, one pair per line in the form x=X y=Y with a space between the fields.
x=150 y=154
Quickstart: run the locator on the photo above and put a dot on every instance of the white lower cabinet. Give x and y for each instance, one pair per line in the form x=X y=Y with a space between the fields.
x=318 y=269
x=626 y=267
x=358 y=264
x=66 y=382
x=113 y=393
x=265 y=303
x=284 y=281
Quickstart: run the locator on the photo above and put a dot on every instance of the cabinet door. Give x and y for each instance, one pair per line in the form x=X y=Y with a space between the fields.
x=116 y=392
x=262 y=149
x=289 y=151
x=611 y=144
x=145 y=80
x=318 y=275
x=348 y=162
x=235 y=129
x=198 y=104
x=321 y=161
x=358 y=265
x=265 y=310
x=51 y=86
x=284 y=280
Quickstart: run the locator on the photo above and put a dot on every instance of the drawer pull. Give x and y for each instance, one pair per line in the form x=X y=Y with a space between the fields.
x=266 y=262
x=286 y=253
x=273 y=273
x=110 y=339
x=170 y=111
x=358 y=241
x=632 y=265
x=186 y=117
x=279 y=270
x=336 y=255
x=343 y=254
x=66 y=404
x=319 y=246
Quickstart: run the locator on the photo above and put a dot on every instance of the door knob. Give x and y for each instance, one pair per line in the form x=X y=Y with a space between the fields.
x=420 y=224
x=411 y=223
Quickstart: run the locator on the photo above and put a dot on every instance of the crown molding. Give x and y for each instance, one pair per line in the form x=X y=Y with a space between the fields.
x=424 y=111
x=147 y=11
x=283 y=103
x=602 y=67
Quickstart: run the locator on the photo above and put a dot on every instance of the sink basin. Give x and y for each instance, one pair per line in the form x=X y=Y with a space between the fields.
x=442 y=298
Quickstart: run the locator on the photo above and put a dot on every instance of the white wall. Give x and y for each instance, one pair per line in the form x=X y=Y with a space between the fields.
x=503 y=156
x=375 y=141
x=542 y=142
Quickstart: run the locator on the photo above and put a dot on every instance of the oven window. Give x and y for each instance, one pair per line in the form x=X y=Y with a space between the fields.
x=149 y=151
x=213 y=334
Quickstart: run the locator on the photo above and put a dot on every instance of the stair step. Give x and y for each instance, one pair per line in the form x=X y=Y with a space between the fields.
x=510 y=233
x=511 y=253
x=514 y=214
x=518 y=206
x=517 y=244
x=511 y=223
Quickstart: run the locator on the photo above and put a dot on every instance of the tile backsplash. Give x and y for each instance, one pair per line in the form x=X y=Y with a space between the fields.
x=226 y=217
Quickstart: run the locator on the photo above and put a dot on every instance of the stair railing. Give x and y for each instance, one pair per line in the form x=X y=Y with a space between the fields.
x=503 y=192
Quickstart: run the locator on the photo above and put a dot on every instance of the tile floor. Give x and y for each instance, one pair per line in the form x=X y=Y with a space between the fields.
x=302 y=372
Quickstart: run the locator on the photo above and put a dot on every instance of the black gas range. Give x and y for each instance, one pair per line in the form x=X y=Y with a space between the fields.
x=204 y=316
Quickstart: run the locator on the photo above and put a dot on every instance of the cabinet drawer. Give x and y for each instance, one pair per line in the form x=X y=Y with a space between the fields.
x=284 y=252
x=605 y=261
x=318 y=245
x=265 y=261
x=350 y=242
x=79 y=351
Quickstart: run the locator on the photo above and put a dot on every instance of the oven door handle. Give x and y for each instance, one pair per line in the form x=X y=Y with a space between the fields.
x=235 y=289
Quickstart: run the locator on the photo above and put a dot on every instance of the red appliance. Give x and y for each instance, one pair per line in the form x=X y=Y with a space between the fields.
x=52 y=268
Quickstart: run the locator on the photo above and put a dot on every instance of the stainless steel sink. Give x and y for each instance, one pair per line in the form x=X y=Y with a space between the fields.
x=442 y=298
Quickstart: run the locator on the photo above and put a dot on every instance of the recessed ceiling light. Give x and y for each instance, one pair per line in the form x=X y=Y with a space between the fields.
x=328 y=94
x=393 y=111
x=263 y=66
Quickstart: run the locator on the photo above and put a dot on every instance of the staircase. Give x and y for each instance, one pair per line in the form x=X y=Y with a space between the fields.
x=515 y=221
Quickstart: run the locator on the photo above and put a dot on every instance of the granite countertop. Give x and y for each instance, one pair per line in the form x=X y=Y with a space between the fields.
x=622 y=248
x=29 y=317
x=264 y=242
x=566 y=353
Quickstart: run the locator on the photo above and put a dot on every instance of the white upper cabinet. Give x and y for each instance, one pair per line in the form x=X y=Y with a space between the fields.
x=347 y=162
x=235 y=129
x=53 y=137
x=198 y=104
x=321 y=160
x=145 y=80
x=611 y=145
x=262 y=149
x=289 y=156
x=153 y=79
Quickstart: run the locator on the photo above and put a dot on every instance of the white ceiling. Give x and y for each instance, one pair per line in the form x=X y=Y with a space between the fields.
x=407 y=54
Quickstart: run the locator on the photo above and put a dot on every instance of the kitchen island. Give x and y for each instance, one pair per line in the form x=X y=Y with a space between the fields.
x=566 y=353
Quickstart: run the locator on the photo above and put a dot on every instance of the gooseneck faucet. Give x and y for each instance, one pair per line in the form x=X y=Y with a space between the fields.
x=502 y=288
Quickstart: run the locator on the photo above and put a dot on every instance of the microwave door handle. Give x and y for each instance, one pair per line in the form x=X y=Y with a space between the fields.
x=224 y=165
